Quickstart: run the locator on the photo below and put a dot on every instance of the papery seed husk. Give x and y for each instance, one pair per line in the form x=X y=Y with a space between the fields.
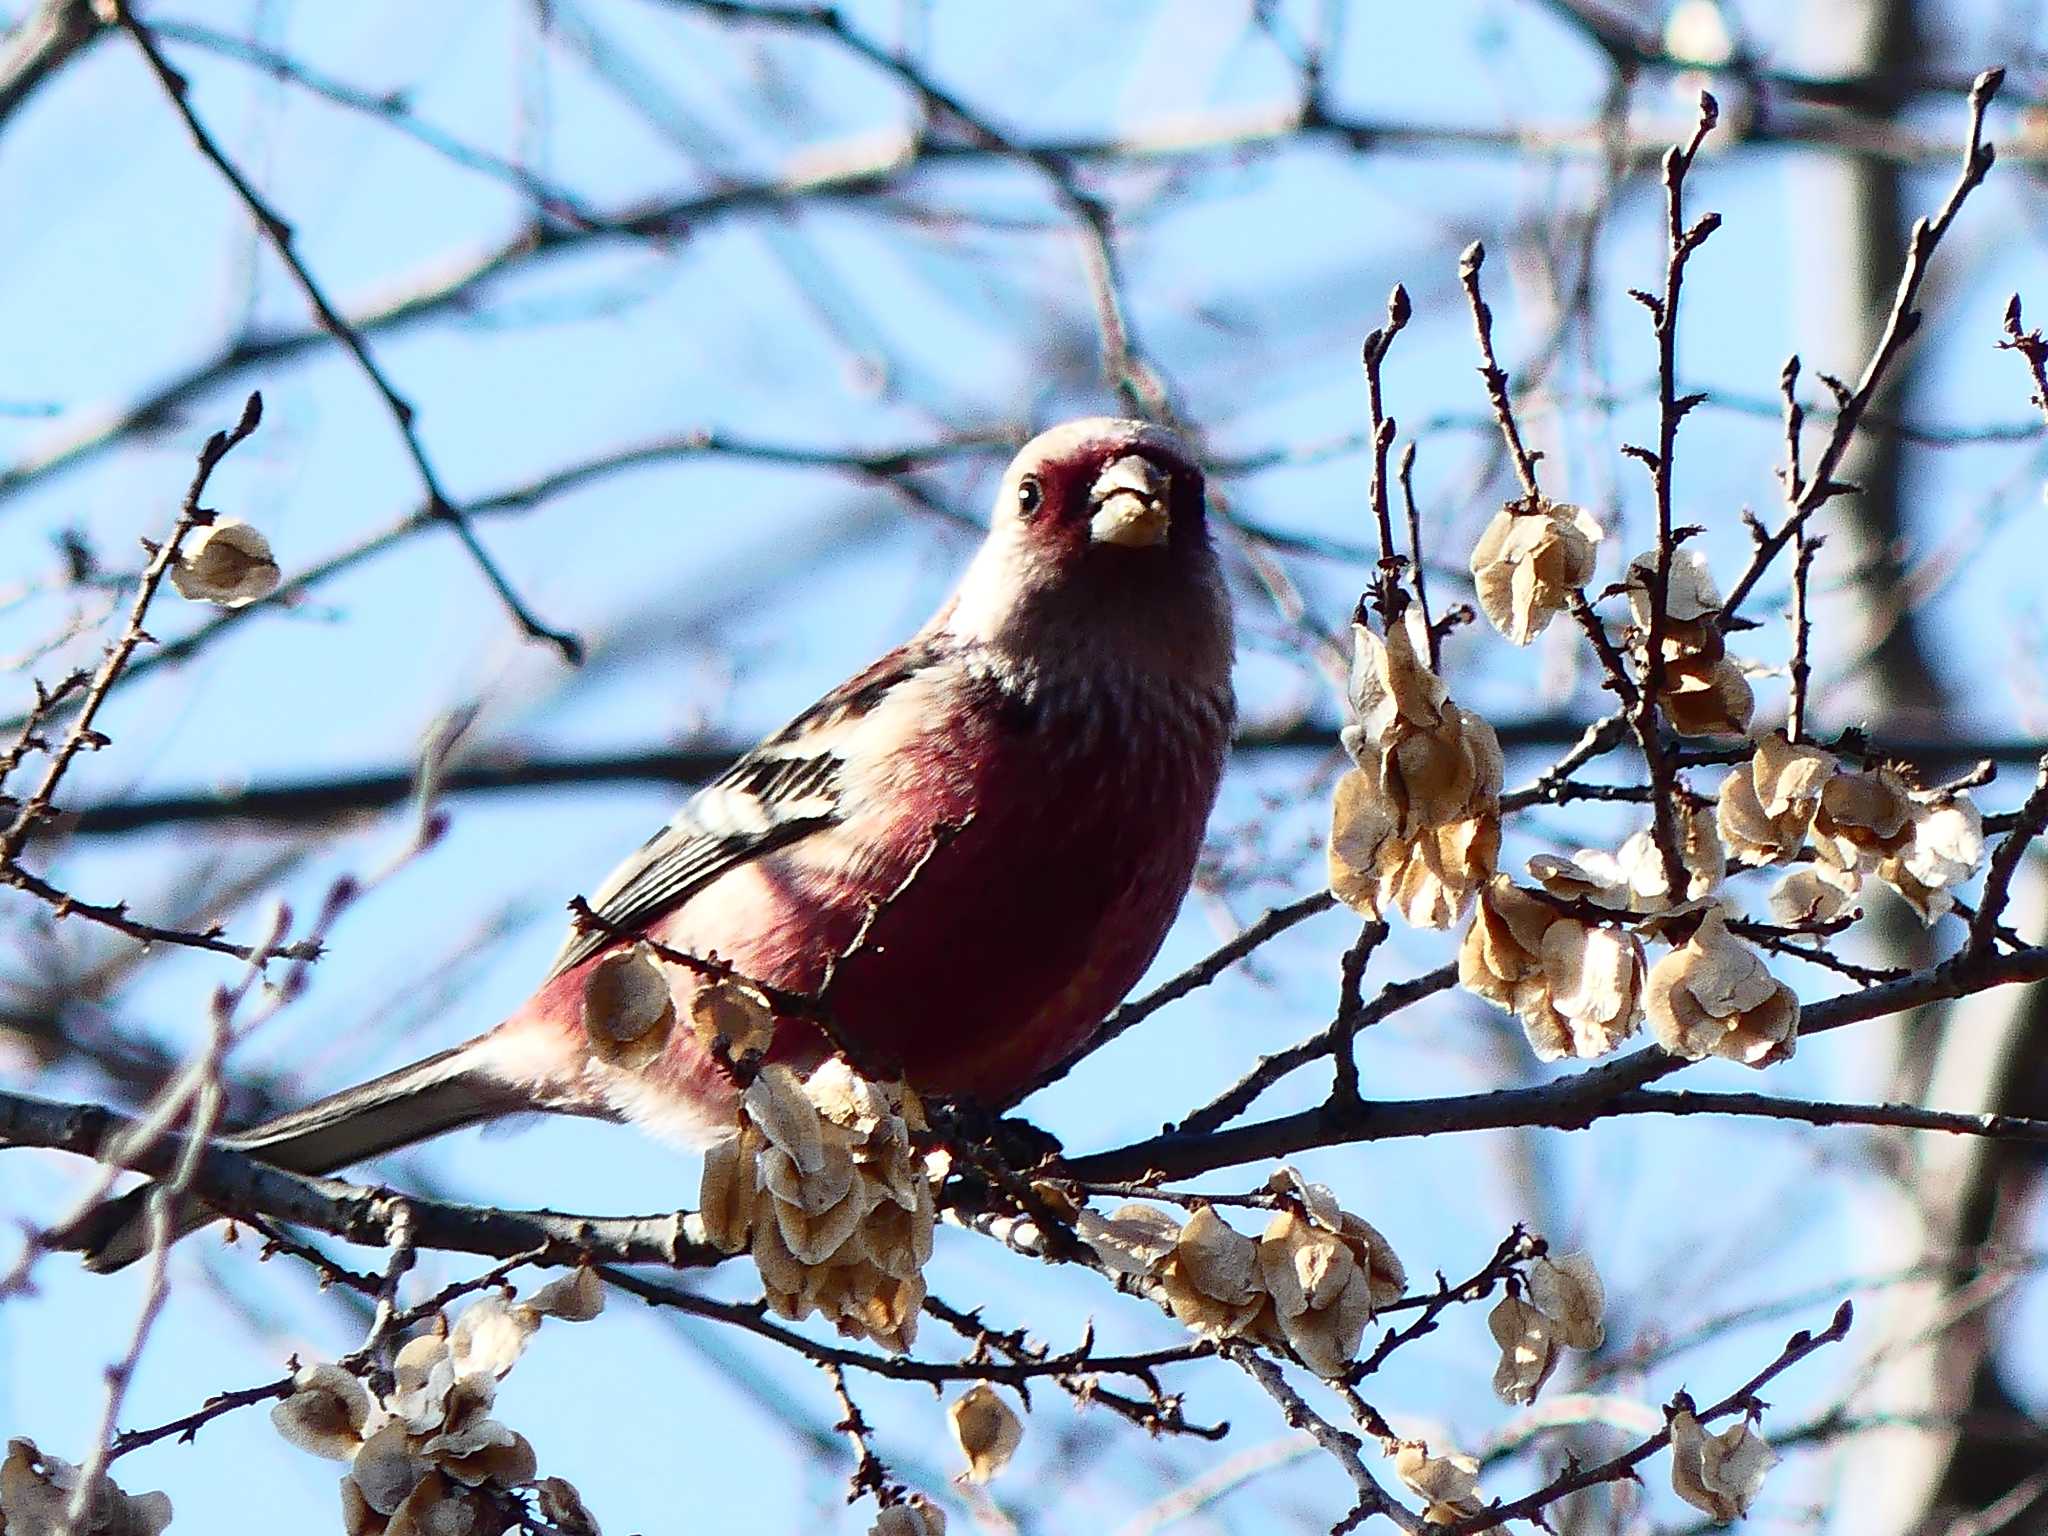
x=812 y=1192
x=812 y=1236
x=1528 y=1350
x=326 y=1413
x=776 y=1102
x=228 y=562
x=1327 y=1338
x=722 y=1008
x=726 y=1195
x=1219 y=1258
x=1568 y=1290
x=986 y=1429
x=489 y=1337
x=385 y=1469
x=576 y=1298
x=1304 y=1267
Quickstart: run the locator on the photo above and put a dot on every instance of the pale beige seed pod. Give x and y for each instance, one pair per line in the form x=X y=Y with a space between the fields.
x=1705 y=696
x=987 y=1430
x=37 y=1489
x=1527 y=564
x=1134 y=1241
x=628 y=1011
x=1328 y=1338
x=915 y=1516
x=1946 y=849
x=775 y=1101
x=1690 y=597
x=1719 y=1474
x=1449 y=1484
x=1528 y=1343
x=1766 y=806
x=1815 y=893
x=1713 y=996
x=1568 y=1290
x=1210 y=1281
x=727 y=1194
x=1503 y=949
x=1864 y=817
x=228 y=563
x=327 y=1413
x=732 y=1012
x=1415 y=829
x=575 y=1298
x=1588 y=997
x=562 y=1507
x=1321 y=1295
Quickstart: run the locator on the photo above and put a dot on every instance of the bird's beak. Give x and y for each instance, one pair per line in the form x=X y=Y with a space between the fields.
x=1127 y=505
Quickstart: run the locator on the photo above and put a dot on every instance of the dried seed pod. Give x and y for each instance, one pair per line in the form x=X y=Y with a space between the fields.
x=1567 y=1288
x=1766 y=806
x=1528 y=563
x=1713 y=996
x=627 y=1008
x=1528 y=1349
x=731 y=1012
x=1415 y=828
x=1720 y=1474
x=1449 y=1483
x=227 y=562
x=987 y=1430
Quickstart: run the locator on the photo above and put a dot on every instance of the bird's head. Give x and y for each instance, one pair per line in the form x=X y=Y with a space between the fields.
x=1099 y=538
x=1101 y=490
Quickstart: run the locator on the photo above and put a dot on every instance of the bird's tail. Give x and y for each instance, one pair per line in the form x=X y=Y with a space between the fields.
x=445 y=1092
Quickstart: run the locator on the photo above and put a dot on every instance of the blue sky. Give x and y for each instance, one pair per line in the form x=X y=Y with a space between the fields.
x=719 y=596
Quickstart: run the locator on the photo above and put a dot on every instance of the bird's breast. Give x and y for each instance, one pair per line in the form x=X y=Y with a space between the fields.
x=1068 y=816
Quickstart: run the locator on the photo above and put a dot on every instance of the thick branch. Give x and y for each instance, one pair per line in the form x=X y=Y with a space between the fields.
x=237 y=1184
x=1570 y=1103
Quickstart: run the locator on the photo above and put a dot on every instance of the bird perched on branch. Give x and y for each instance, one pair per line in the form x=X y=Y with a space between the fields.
x=979 y=842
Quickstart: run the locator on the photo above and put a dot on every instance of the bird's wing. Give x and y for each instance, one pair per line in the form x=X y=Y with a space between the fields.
x=786 y=789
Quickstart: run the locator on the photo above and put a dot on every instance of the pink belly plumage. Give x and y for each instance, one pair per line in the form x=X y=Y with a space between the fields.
x=1077 y=840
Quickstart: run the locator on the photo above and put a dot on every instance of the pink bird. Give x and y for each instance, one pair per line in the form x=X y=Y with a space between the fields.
x=1068 y=710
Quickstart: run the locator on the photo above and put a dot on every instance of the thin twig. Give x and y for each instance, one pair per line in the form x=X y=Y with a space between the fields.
x=1901 y=324
x=237 y=1182
x=1681 y=241
x=508 y=769
x=1162 y=1412
x=1742 y=1399
x=83 y=735
x=751 y=1317
x=1516 y=1249
x=870 y=1474
x=1268 y=1070
x=385 y=107
x=1997 y=1127
x=2027 y=825
x=1387 y=596
x=1415 y=567
x=1351 y=1010
x=279 y=236
x=2033 y=350
x=1123 y=365
x=207 y=1099
x=1469 y=263
x=1342 y=1445
x=1200 y=974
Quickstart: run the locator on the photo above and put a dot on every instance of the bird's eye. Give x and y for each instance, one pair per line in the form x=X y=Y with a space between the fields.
x=1029 y=494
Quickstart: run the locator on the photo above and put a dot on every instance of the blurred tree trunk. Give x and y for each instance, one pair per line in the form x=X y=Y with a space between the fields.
x=1937 y=1344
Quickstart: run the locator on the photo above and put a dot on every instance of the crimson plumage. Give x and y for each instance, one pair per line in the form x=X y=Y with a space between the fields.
x=1067 y=711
